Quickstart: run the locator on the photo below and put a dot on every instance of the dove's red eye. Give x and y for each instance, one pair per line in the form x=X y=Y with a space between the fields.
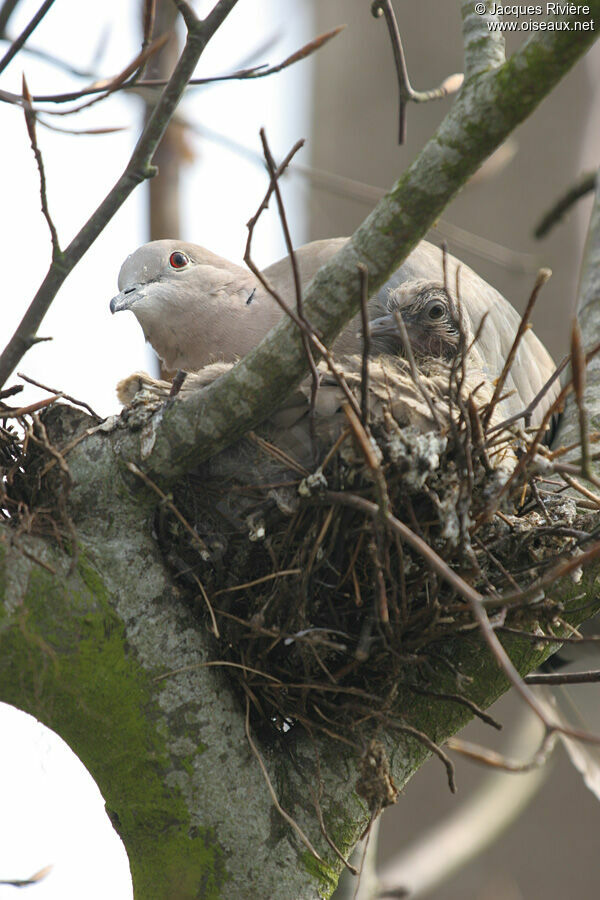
x=178 y=260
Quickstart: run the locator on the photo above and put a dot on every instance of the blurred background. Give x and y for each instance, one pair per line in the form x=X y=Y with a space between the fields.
x=343 y=100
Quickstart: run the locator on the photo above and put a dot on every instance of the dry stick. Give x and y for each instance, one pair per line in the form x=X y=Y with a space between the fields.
x=108 y=86
x=416 y=377
x=248 y=584
x=148 y=21
x=304 y=326
x=240 y=75
x=565 y=568
x=319 y=811
x=27 y=410
x=474 y=599
x=363 y=274
x=27 y=31
x=62 y=394
x=271 y=789
x=166 y=500
x=6 y=11
x=30 y=123
x=217 y=663
x=272 y=169
x=137 y=170
x=542 y=278
x=578 y=368
x=533 y=447
x=592 y=676
x=449 y=86
x=487 y=757
x=582 y=187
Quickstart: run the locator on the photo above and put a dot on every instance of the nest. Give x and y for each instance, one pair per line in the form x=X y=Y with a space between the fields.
x=313 y=549
x=321 y=607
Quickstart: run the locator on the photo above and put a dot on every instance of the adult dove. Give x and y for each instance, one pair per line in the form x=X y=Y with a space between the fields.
x=196 y=308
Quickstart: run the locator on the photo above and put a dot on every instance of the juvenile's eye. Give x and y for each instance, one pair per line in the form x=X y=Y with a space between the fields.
x=435 y=310
x=178 y=260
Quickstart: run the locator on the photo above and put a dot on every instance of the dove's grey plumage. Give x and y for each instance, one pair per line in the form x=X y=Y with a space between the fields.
x=196 y=308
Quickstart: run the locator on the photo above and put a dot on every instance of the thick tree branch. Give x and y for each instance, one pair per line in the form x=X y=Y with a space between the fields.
x=484 y=48
x=488 y=108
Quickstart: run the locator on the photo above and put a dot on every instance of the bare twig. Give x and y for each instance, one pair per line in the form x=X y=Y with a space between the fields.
x=564 y=203
x=27 y=31
x=407 y=94
x=62 y=394
x=476 y=603
x=166 y=500
x=578 y=369
x=272 y=169
x=592 y=676
x=247 y=74
x=363 y=274
x=413 y=368
x=6 y=11
x=271 y=789
x=30 y=123
x=137 y=170
x=542 y=278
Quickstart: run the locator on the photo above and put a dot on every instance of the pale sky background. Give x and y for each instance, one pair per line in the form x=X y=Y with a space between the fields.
x=51 y=810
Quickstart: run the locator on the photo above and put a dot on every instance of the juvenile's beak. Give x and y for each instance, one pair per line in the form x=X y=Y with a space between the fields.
x=127 y=298
x=384 y=326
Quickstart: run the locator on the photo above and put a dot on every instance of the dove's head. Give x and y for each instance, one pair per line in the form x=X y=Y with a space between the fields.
x=431 y=318
x=192 y=304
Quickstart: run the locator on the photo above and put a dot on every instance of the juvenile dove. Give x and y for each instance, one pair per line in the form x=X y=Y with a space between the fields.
x=196 y=308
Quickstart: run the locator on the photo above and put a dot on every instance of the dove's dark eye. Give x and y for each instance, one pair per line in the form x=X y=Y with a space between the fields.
x=435 y=311
x=178 y=260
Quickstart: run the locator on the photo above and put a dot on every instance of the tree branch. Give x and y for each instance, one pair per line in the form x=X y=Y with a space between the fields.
x=137 y=170
x=489 y=107
x=484 y=49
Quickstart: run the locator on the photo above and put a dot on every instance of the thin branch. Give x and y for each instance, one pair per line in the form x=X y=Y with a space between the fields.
x=27 y=31
x=137 y=170
x=363 y=274
x=450 y=85
x=286 y=816
x=564 y=203
x=592 y=676
x=62 y=394
x=578 y=369
x=30 y=123
x=542 y=278
x=247 y=74
x=6 y=11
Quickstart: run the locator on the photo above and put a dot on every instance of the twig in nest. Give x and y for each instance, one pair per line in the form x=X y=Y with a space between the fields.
x=271 y=789
x=450 y=85
x=166 y=500
x=476 y=604
x=578 y=368
x=495 y=760
x=363 y=273
x=28 y=410
x=413 y=368
x=301 y=323
x=61 y=394
x=457 y=698
x=542 y=278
